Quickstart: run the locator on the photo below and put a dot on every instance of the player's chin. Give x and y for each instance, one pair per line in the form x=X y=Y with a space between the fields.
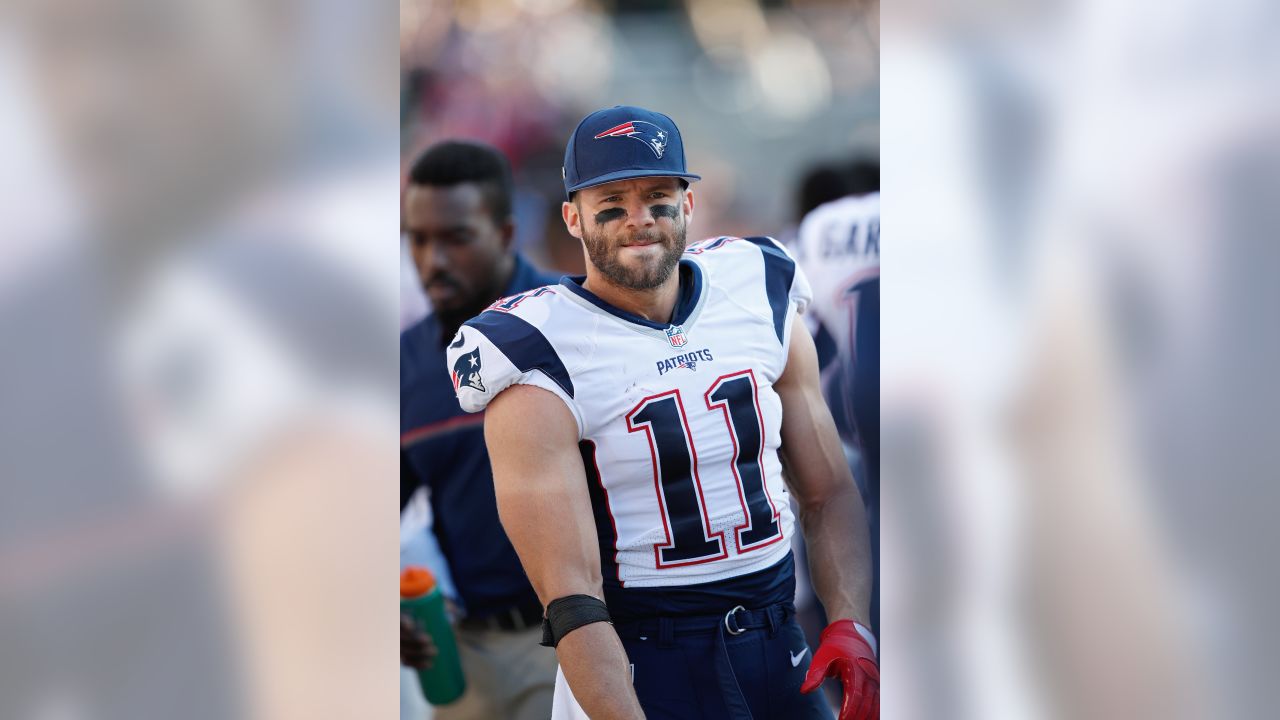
x=648 y=281
x=645 y=270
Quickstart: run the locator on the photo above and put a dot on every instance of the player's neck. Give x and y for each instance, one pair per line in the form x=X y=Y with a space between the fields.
x=656 y=305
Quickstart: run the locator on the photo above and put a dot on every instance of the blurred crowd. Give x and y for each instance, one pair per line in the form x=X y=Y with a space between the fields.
x=763 y=92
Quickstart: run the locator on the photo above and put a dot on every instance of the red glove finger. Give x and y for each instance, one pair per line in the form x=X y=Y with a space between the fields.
x=870 y=695
x=854 y=700
x=853 y=692
x=816 y=674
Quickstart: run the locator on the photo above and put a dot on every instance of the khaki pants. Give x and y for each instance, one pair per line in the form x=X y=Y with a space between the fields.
x=509 y=676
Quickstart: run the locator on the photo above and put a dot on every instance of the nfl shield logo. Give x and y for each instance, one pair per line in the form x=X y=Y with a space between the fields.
x=675 y=334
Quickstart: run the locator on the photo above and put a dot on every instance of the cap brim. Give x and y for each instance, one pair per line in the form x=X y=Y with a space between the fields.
x=628 y=175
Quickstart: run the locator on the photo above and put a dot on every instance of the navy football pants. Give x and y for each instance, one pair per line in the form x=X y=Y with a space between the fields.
x=699 y=669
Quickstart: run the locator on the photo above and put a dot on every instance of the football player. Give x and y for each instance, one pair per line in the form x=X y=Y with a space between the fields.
x=638 y=420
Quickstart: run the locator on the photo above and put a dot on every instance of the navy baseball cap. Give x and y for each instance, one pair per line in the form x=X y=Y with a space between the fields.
x=620 y=143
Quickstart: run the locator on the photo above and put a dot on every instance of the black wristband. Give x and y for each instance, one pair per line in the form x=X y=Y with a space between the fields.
x=566 y=614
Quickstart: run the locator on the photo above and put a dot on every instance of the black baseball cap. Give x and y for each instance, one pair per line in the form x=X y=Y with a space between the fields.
x=620 y=143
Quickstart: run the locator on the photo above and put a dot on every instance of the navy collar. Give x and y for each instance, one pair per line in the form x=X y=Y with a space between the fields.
x=686 y=300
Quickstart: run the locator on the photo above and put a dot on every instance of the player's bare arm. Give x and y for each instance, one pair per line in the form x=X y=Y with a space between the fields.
x=835 y=531
x=542 y=500
x=831 y=510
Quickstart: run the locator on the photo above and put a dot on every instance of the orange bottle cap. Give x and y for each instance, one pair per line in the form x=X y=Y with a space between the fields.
x=416 y=582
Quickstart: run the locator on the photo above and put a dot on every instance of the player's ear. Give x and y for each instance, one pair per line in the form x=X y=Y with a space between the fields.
x=687 y=204
x=572 y=219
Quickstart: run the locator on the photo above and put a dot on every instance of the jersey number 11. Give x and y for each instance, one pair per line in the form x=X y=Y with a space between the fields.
x=685 y=517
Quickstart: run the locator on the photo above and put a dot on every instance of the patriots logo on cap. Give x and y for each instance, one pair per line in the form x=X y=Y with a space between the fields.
x=646 y=132
x=466 y=371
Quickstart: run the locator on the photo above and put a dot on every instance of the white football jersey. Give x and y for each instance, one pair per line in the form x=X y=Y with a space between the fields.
x=840 y=246
x=679 y=424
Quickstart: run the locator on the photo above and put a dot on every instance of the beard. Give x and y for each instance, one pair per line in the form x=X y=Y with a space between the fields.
x=468 y=306
x=639 y=274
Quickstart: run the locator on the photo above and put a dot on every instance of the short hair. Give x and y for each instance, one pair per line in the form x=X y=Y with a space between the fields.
x=454 y=162
x=820 y=185
x=827 y=182
x=863 y=176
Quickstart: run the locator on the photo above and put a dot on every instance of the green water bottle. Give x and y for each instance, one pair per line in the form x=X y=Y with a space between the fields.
x=421 y=600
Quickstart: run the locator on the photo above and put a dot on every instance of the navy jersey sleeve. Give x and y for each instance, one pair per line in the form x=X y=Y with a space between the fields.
x=785 y=284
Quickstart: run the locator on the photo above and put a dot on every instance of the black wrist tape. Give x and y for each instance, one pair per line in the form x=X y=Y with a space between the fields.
x=566 y=614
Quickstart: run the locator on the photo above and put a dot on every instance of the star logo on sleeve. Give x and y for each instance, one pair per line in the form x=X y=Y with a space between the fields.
x=466 y=372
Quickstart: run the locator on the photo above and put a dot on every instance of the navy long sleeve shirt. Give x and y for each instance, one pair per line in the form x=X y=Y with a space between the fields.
x=443 y=448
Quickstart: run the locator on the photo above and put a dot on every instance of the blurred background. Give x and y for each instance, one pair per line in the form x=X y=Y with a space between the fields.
x=1079 y=351
x=198 y=299
x=198 y=275
x=766 y=93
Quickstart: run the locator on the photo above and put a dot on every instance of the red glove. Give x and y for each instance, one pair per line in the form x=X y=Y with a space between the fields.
x=843 y=653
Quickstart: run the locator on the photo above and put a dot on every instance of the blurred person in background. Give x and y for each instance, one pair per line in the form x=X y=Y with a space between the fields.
x=457 y=216
x=823 y=183
x=679 y=604
x=819 y=184
x=839 y=248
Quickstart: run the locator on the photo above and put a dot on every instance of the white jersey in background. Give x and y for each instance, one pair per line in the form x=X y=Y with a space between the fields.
x=840 y=251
